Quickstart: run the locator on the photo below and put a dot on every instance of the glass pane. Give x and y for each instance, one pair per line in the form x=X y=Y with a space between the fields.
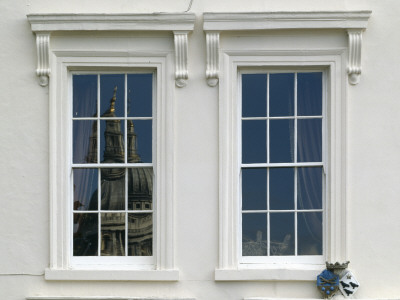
x=309 y=94
x=111 y=106
x=85 y=234
x=309 y=188
x=140 y=235
x=309 y=140
x=140 y=141
x=254 y=189
x=254 y=141
x=140 y=94
x=281 y=95
x=112 y=147
x=112 y=234
x=282 y=234
x=281 y=188
x=113 y=189
x=254 y=234
x=85 y=189
x=281 y=140
x=84 y=96
x=84 y=142
x=254 y=95
x=309 y=236
x=140 y=188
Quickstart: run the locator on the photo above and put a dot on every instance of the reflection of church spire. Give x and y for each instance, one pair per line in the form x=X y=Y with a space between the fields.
x=114 y=139
x=133 y=156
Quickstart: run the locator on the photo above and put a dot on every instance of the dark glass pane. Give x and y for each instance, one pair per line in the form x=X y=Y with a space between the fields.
x=140 y=234
x=281 y=188
x=254 y=141
x=309 y=140
x=254 y=189
x=254 y=234
x=112 y=189
x=112 y=147
x=140 y=141
x=84 y=142
x=110 y=107
x=113 y=234
x=85 y=234
x=282 y=234
x=309 y=94
x=281 y=95
x=309 y=188
x=84 y=96
x=140 y=94
x=85 y=189
x=281 y=140
x=309 y=233
x=140 y=188
x=254 y=95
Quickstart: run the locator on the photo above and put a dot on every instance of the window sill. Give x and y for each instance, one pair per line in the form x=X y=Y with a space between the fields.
x=112 y=275
x=304 y=273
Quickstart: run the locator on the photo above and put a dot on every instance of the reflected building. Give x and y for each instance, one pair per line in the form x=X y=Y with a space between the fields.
x=114 y=197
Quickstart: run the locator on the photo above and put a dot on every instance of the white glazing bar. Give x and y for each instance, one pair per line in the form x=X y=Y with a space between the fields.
x=111 y=118
x=283 y=165
x=295 y=160
x=98 y=122
x=125 y=121
x=98 y=212
x=267 y=129
x=282 y=118
x=282 y=210
x=126 y=211
x=116 y=165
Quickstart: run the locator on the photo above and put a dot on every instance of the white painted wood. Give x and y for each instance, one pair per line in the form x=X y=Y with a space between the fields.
x=212 y=44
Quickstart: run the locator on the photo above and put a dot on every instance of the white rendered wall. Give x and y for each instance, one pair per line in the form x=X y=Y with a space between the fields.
x=373 y=159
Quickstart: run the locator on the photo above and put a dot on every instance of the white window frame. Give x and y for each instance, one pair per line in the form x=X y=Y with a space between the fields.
x=224 y=64
x=117 y=56
x=249 y=261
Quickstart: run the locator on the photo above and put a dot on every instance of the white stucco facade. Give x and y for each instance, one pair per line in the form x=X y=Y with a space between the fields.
x=366 y=232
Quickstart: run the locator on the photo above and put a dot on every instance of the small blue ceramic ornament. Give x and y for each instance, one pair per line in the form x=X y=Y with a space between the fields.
x=327 y=283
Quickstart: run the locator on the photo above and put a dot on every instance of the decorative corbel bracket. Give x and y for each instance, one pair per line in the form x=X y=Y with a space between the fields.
x=212 y=71
x=181 y=61
x=354 y=60
x=43 y=66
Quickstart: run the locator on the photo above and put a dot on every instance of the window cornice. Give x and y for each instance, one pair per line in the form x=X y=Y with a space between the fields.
x=354 y=22
x=180 y=24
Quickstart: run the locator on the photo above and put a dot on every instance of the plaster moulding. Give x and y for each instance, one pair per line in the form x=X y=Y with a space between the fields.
x=355 y=22
x=181 y=24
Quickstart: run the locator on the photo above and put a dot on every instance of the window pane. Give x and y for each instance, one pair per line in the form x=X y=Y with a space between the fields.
x=282 y=234
x=113 y=189
x=254 y=141
x=254 y=95
x=85 y=189
x=84 y=142
x=140 y=94
x=85 y=234
x=140 y=235
x=140 y=188
x=281 y=95
x=254 y=189
x=281 y=188
x=254 y=234
x=309 y=188
x=281 y=140
x=140 y=141
x=112 y=141
x=112 y=234
x=309 y=234
x=309 y=140
x=84 y=96
x=309 y=94
x=110 y=107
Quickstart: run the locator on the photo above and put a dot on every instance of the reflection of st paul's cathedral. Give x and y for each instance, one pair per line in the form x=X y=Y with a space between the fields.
x=140 y=191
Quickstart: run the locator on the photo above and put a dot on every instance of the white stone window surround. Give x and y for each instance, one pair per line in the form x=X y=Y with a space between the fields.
x=224 y=63
x=65 y=58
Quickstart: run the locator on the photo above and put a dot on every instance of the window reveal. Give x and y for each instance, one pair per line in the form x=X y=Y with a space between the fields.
x=282 y=178
x=112 y=165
